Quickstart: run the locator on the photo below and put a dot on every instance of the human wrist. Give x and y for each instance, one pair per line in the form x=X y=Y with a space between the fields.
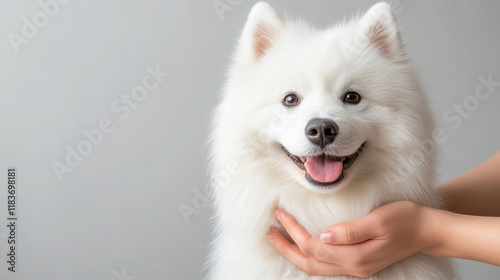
x=433 y=223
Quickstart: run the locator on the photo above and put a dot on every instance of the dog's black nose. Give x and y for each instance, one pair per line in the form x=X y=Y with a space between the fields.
x=321 y=132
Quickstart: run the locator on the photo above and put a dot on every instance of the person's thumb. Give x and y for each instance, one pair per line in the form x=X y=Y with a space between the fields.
x=348 y=232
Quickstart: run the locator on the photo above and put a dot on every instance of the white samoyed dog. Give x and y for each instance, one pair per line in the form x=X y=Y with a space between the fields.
x=326 y=124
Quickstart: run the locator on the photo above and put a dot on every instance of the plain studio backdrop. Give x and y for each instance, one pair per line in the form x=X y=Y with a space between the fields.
x=105 y=108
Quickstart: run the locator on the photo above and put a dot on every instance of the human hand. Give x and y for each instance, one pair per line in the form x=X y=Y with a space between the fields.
x=359 y=248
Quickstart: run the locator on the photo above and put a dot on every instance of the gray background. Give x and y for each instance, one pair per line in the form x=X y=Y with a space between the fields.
x=117 y=212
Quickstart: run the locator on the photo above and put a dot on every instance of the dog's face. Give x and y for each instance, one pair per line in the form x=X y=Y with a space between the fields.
x=325 y=100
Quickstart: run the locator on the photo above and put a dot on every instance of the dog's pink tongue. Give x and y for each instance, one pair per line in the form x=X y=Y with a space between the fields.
x=323 y=169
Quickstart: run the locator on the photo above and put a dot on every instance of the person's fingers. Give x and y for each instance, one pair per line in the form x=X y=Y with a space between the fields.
x=287 y=249
x=308 y=245
x=350 y=232
x=316 y=257
x=296 y=231
x=306 y=263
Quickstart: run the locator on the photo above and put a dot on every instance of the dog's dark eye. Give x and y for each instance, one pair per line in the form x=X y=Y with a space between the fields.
x=352 y=97
x=291 y=100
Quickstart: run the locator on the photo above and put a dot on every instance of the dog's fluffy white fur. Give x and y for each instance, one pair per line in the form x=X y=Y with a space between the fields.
x=252 y=174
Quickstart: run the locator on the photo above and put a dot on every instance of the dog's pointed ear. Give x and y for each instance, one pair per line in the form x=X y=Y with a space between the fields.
x=261 y=30
x=381 y=29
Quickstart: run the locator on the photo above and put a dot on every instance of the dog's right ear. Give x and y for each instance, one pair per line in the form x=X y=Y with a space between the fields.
x=261 y=29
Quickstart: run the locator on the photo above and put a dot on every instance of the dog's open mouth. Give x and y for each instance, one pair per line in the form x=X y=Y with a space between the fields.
x=324 y=170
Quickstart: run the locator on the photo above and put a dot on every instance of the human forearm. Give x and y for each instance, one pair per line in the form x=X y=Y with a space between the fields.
x=462 y=236
x=475 y=192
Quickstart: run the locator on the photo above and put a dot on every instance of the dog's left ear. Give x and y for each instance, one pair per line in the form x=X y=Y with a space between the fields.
x=261 y=30
x=379 y=25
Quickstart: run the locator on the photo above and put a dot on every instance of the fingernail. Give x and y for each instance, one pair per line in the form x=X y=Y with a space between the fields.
x=277 y=215
x=326 y=237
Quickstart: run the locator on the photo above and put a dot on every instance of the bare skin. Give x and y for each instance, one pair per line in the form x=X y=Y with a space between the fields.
x=470 y=230
x=475 y=192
